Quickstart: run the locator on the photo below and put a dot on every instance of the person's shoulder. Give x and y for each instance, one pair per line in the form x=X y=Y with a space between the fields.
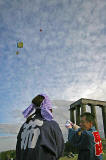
x=22 y=125
x=51 y=123
x=54 y=122
x=21 y=129
x=89 y=132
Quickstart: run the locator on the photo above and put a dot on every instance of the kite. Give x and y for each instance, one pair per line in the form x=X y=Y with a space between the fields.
x=17 y=52
x=19 y=45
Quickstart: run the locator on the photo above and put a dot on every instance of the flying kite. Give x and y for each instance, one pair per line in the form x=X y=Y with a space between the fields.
x=17 y=52
x=19 y=45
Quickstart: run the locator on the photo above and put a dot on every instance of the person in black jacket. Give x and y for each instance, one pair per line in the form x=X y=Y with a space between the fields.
x=40 y=136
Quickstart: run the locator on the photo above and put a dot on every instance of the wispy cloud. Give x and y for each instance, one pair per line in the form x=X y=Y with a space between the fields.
x=66 y=60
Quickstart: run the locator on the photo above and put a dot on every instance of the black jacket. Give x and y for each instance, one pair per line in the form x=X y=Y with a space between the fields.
x=39 y=139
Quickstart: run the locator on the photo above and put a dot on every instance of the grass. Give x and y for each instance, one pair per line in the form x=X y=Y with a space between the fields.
x=66 y=158
x=75 y=158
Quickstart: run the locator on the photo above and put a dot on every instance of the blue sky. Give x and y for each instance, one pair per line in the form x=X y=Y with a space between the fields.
x=67 y=60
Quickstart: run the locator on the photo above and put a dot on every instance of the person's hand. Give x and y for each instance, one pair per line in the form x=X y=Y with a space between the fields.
x=75 y=126
x=68 y=124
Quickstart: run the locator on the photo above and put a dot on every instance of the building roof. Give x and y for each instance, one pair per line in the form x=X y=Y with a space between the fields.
x=87 y=102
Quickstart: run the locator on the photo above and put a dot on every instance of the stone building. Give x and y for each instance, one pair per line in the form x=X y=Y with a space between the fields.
x=80 y=107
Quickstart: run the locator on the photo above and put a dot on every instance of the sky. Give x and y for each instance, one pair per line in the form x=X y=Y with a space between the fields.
x=63 y=54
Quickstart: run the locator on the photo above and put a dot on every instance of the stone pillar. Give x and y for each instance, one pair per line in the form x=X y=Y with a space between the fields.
x=83 y=108
x=72 y=118
x=77 y=115
x=93 y=112
x=104 y=118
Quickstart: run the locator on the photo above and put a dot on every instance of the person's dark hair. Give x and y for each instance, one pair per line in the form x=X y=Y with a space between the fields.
x=37 y=101
x=89 y=117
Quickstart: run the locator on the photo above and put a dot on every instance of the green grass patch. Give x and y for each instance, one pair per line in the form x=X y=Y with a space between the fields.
x=76 y=156
x=11 y=154
x=66 y=158
x=104 y=155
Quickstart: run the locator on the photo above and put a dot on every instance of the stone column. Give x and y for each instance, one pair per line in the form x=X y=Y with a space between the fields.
x=83 y=108
x=104 y=118
x=93 y=112
x=78 y=115
x=72 y=118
